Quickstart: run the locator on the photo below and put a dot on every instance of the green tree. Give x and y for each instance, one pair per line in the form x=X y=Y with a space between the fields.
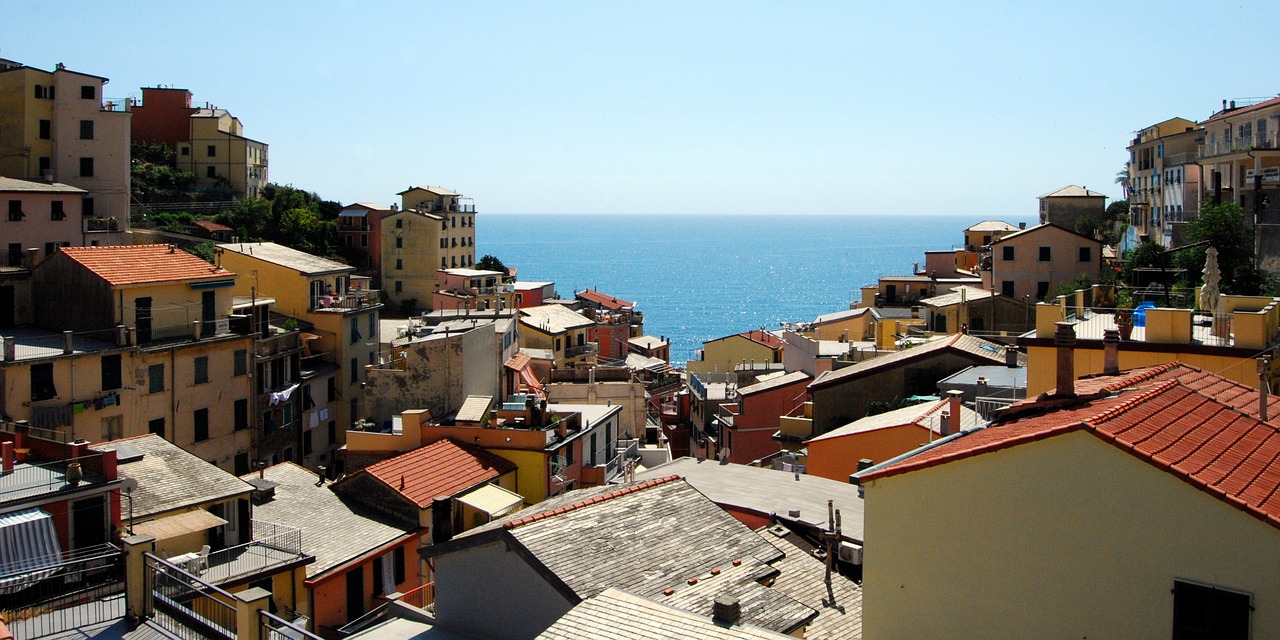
x=491 y=263
x=1145 y=255
x=153 y=174
x=205 y=251
x=1224 y=227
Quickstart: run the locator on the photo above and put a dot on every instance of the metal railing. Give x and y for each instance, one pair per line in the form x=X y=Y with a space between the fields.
x=40 y=478
x=275 y=628
x=187 y=606
x=352 y=300
x=273 y=545
x=85 y=588
x=581 y=350
x=46 y=344
x=1239 y=144
x=423 y=597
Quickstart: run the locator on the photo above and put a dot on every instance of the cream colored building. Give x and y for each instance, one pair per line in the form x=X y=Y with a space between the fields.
x=562 y=332
x=1140 y=507
x=220 y=155
x=724 y=355
x=148 y=349
x=56 y=126
x=324 y=293
x=435 y=229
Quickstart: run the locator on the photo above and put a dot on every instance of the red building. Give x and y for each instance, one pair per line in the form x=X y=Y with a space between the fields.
x=164 y=116
x=533 y=294
x=747 y=426
x=360 y=228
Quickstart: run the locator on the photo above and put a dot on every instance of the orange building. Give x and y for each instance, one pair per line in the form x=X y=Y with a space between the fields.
x=836 y=454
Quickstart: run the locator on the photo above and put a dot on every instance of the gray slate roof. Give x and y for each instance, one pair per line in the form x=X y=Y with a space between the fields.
x=769 y=492
x=300 y=261
x=956 y=343
x=622 y=616
x=169 y=478
x=802 y=577
x=332 y=530
x=12 y=185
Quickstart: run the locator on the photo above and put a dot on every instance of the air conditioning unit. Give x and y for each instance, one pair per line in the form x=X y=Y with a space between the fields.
x=851 y=553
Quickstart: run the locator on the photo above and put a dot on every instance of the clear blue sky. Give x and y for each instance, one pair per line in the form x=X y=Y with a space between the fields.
x=702 y=107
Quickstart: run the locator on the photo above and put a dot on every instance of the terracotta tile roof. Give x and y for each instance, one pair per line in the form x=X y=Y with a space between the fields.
x=143 y=263
x=211 y=226
x=763 y=337
x=1169 y=416
x=605 y=300
x=443 y=468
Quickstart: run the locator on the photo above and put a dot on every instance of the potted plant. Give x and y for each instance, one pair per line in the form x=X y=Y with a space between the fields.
x=1124 y=313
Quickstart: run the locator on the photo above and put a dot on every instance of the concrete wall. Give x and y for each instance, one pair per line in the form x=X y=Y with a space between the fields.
x=467 y=582
x=629 y=395
x=436 y=375
x=837 y=458
x=1069 y=536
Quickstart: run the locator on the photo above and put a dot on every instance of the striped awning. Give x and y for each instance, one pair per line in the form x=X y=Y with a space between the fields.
x=492 y=499
x=29 y=549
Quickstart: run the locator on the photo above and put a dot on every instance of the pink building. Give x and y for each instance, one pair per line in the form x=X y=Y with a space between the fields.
x=1033 y=263
x=42 y=217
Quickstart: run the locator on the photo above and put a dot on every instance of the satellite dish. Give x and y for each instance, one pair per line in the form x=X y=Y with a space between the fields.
x=129 y=485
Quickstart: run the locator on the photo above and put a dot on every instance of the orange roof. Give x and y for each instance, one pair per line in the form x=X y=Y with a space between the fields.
x=763 y=337
x=143 y=263
x=443 y=468
x=211 y=226
x=605 y=300
x=1173 y=417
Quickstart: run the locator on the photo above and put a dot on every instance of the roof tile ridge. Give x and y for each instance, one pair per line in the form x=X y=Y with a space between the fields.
x=641 y=486
x=1142 y=377
x=1255 y=478
x=1124 y=406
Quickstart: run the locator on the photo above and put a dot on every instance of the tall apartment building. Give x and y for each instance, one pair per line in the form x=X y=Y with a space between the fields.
x=55 y=127
x=1241 y=156
x=434 y=229
x=1164 y=179
x=208 y=141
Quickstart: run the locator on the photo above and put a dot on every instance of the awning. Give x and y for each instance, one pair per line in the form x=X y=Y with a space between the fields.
x=179 y=525
x=29 y=549
x=531 y=381
x=492 y=499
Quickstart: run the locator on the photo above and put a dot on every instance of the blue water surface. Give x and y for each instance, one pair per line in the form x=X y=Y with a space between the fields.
x=698 y=277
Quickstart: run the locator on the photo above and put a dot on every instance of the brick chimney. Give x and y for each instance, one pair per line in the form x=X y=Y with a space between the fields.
x=951 y=415
x=6 y=457
x=1065 y=341
x=1111 y=352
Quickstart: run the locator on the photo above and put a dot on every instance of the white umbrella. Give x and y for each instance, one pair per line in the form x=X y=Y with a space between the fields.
x=1209 y=295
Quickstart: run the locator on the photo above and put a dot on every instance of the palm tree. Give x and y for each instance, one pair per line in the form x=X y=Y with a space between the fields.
x=1122 y=179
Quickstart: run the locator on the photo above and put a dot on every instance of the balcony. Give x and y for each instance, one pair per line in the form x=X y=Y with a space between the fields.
x=274 y=546
x=352 y=300
x=581 y=350
x=276 y=344
x=1239 y=145
x=101 y=224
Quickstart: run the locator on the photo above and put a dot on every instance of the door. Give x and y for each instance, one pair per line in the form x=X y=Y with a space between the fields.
x=142 y=319
x=355 y=593
x=88 y=522
x=207 y=314
x=891 y=293
x=8 y=308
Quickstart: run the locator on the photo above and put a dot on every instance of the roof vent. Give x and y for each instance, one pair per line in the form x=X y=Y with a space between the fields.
x=726 y=610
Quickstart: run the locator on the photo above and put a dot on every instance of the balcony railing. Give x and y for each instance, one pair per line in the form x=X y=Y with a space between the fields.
x=581 y=350
x=101 y=224
x=423 y=597
x=352 y=300
x=274 y=545
x=1240 y=144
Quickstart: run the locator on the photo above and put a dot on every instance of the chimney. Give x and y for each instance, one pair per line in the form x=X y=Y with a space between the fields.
x=441 y=519
x=6 y=457
x=1111 y=352
x=1011 y=357
x=1233 y=105
x=981 y=387
x=1065 y=341
x=726 y=610
x=1263 y=386
x=951 y=415
x=1022 y=225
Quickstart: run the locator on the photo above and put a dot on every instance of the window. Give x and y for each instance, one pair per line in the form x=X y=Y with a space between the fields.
x=568 y=455
x=88 y=92
x=42 y=387
x=399 y=287
x=444 y=243
x=333 y=432
x=202 y=369
x=1086 y=254
x=355 y=371
x=86 y=167
x=1201 y=611
x=332 y=392
x=155 y=378
x=373 y=327
x=212 y=151
x=364 y=239
x=87 y=207
x=44 y=92
x=201 y=425
x=242 y=414
x=184 y=151
x=242 y=464
x=241 y=361
x=46 y=130
x=306 y=443
x=211 y=171
x=399 y=263
x=1042 y=290
x=111 y=379
x=46 y=166
x=355 y=330
x=15 y=211
x=56 y=212
x=1046 y=254
x=399 y=242
x=398 y=559
x=156 y=426
x=50 y=248
x=399 y=224
x=1006 y=288
x=86 y=129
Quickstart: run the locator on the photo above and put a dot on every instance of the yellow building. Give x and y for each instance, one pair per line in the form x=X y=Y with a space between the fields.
x=55 y=125
x=1139 y=507
x=725 y=354
x=323 y=293
x=435 y=229
x=133 y=340
x=1164 y=179
x=562 y=332
x=221 y=157
x=1168 y=335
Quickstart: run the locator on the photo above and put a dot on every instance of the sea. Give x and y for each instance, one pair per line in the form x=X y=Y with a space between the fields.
x=699 y=277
